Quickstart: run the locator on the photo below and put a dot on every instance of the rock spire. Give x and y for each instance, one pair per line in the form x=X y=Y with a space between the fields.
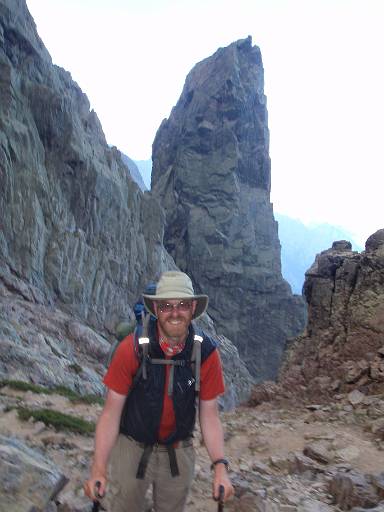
x=212 y=175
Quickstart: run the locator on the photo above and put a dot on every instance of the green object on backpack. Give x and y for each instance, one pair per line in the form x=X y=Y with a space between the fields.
x=123 y=329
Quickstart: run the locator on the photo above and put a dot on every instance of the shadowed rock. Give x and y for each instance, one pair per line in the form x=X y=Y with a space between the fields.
x=211 y=171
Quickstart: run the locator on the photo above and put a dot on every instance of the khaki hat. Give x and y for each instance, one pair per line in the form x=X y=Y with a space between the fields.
x=175 y=285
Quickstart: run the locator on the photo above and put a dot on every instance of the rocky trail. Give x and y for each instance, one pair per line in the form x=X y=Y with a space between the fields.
x=284 y=457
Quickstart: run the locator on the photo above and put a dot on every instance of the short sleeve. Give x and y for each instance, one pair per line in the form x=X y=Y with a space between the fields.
x=123 y=367
x=211 y=376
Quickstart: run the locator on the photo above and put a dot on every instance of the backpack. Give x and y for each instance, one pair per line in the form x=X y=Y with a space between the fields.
x=142 y=349
x=123 y=329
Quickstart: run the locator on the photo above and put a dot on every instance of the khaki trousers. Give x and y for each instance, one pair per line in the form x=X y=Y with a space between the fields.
x=126 y=493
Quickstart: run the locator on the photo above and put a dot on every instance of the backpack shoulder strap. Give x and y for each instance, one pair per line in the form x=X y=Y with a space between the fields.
x=141 y=341
x=203 y=346
x=196 y=357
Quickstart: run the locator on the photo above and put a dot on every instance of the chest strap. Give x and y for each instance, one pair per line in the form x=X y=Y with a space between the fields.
x=172 y=363
x=195 y=359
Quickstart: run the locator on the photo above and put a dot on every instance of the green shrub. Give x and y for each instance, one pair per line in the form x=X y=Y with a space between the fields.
x=58 y=420
x=59 y=390
x=20 y=385
x=76 y=397
x=90 y=399
x=67 y=392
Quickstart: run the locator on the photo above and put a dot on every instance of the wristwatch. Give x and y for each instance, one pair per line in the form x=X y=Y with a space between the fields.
x=220 y=461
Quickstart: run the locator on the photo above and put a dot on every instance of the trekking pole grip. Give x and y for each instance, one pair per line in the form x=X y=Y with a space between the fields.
x=220 y=506
x=96 y=503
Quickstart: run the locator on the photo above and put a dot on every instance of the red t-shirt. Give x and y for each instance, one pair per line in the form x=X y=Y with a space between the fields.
x=125 y=364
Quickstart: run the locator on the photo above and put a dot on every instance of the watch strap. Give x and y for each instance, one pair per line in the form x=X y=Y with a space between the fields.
x=220 y=461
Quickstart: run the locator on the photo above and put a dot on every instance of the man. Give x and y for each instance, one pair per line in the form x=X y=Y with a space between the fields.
x=149 y=413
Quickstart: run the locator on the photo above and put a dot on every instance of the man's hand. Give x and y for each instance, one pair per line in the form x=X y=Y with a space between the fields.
x=221 y=478
x=95 y=487
x=107 y=430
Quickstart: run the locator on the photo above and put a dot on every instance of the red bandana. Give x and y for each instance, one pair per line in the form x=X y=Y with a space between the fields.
x=170 y=350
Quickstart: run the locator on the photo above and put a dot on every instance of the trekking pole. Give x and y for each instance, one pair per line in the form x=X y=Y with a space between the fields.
x=96 y=506
x=220 y=506
x=96 y=503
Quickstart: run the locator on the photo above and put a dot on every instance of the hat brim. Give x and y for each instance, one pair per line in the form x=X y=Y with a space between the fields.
x=201 y=302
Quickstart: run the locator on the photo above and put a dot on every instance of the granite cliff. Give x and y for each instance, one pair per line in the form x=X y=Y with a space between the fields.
x=78 y=238
x=211 y=171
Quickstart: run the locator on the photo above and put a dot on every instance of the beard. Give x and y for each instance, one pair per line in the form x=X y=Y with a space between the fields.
x=174 y=328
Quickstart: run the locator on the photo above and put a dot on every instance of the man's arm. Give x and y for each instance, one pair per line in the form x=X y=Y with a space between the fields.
x=213 y=437
x=107 y=431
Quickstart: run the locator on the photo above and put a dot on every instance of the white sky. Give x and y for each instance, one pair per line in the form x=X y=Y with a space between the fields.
x=324 y=81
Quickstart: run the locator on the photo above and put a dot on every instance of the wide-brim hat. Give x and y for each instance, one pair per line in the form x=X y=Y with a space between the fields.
x=175 y=285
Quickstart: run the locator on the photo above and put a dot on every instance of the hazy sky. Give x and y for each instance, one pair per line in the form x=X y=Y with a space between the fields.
x=324 y=82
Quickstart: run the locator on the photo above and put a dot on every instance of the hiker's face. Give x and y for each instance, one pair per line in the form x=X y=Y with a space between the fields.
x=174 y=317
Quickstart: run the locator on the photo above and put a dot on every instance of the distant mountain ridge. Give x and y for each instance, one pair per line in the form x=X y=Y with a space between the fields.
x=145 y=168
x=134 y=171
x=300 y=244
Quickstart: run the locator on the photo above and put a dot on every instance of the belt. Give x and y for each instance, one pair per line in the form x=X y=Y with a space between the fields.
x=162 y=447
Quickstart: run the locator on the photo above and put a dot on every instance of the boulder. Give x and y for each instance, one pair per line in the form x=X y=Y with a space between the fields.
x=28 y=481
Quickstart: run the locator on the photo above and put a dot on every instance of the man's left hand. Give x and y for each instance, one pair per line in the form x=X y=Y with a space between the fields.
x=221 y=478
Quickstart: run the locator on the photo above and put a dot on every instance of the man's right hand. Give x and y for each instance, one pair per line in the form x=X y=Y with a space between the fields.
x=107 y=430
x=95 y=487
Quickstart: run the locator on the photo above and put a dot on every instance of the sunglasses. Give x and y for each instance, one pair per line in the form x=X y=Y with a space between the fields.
x=166 y=307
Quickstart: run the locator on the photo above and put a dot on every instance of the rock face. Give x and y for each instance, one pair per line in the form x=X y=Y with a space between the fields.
x=79 y=239
x=77 y=234
x=75 y=226
x=343 y=346
x=238 y=380
x=211 y=173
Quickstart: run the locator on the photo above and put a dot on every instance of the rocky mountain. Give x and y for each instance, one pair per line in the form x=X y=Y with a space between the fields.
x=79 y=240
x=312 y=443
x=301 y=243
x=342 y=348
x=211 y=172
